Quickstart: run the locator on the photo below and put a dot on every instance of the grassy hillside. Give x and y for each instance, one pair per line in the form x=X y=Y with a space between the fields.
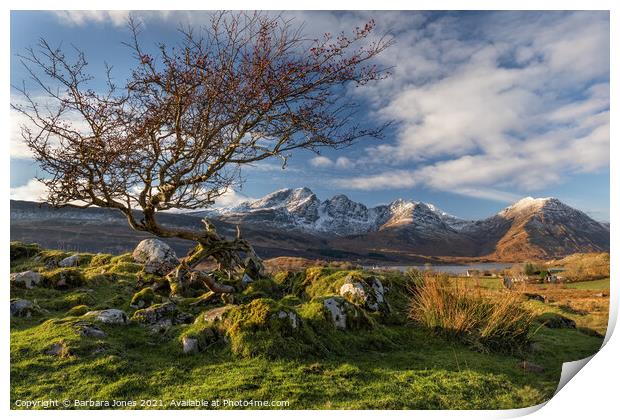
x=580 y=267
x=384 y=361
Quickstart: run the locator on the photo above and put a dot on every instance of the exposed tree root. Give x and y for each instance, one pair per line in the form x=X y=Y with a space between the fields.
x=232 y=257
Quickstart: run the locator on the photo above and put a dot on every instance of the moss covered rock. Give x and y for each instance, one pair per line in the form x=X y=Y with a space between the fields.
x=553 y=320
x=28 y=279
x=215 y=314
x=108 y=316
x=266 y=327
x=24 y=308
x=200 y=336
x=100 y=259
x=78 y=310
x=161 y=316
x=365 y=291
x=261 y=288
x=144 y=298
x=64 y=278
x=68 y=337
x=290 y=283
x=51 y=258
x=337 y=312
x=21 y=250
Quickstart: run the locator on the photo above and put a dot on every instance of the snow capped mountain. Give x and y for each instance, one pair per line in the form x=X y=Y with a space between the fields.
x=295 y=222
x=540 y=227
x=301 y=209
x=526 y=205
x=529 y=228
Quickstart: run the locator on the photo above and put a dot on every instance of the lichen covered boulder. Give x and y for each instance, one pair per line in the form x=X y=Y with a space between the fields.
x=161 y=316
x=336 y=312
x=291 y=317
x=24 y=308
x=89 y=330
x=365 y=291
x=71 y=261
x=214 y=314
x=157 y=257
x=27 y=279
x=190 y=345
x=108 y=316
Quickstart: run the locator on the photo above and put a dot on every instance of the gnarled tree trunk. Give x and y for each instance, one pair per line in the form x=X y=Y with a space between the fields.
x=233 y=257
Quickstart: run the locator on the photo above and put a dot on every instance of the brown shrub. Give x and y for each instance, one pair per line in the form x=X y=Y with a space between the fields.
x=486 y=321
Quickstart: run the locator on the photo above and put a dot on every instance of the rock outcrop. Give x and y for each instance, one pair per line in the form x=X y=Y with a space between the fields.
x=23 y=308
x=215 y=314
x=366 y=292
x=336 y=308
x=71 y=261
x=161 y=316
x=27 y=279
x=108 y=316
x=190 y=345
x=157 y=257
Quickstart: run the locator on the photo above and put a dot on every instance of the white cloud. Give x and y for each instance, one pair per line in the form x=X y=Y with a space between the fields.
x=521 y=106
x=341 y=162
x=483 y=105
x=385 y=180
x=321 y=162
x=231 y=198
x=18 y=148
x=269 y=167
x=33 y=191
x=344 y=163
x=85 y=17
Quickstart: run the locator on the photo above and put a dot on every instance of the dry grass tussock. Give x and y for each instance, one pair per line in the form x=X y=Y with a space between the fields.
x=580 y=267
x=487 y=321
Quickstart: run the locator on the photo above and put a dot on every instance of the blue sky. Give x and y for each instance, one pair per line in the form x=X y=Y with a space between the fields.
x=488 y=107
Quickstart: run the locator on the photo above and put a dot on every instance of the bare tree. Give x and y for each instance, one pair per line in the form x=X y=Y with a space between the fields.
x=246 y=87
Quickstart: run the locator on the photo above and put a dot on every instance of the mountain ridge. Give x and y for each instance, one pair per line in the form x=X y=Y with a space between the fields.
x=300 y=208
x=529 y=228
x=295 y=222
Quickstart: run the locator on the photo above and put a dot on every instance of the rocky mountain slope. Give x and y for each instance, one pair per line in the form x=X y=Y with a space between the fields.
x=530 y=228
x=295 y=222
x=300 y=209
x=543 y=227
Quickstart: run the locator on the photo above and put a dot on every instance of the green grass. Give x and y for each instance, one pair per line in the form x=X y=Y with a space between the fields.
x=600 y=284
x=496 y=284
x=388 y=363
x=425 y=373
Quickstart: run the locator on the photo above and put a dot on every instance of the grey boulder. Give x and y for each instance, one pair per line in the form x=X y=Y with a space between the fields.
x=215 y=314
x=23 y=308
x=71 y=261
x=27 y=279
x=157 y=256
x=108 y=316
x=190 y=345
x=366 y=292
x=161 y=316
